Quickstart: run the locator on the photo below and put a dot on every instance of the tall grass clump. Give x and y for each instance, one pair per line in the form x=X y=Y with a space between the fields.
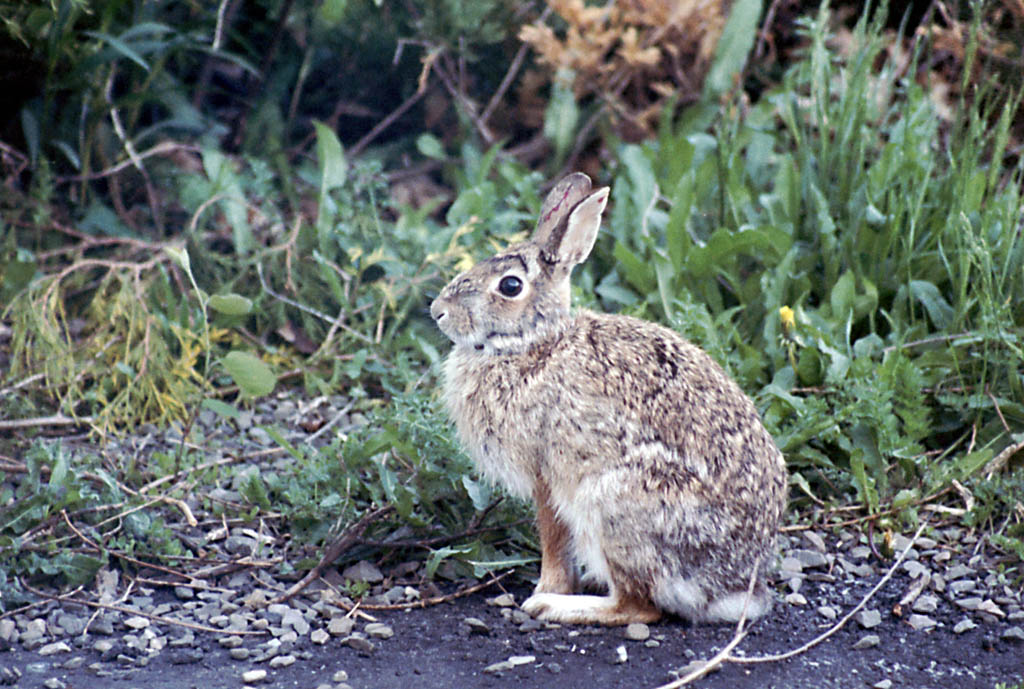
x=852 y=256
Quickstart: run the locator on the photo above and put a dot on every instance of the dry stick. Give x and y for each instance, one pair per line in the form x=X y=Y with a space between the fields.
x=386 y=122
x=1000 y=460
x=132 y=611
x=841 y=623
x=343 y=543
x=37 y=421
x=722 y=655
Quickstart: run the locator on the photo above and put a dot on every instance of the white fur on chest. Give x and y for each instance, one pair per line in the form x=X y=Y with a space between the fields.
x=487 y=430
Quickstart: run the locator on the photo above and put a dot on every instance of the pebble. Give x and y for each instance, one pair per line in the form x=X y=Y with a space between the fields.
x=964 y=625
x=926 y=603
x=319 y=637
x=54 y=648
x=921 y=622
x=828 y=612
x=240 y=653
x=137 y=622
x=621 y=655
x=282 y=661
x=8 y=630
x=505 y=600
x=254 y=676
x=377 y=630
x=512 y=662
x=477 y=626
x=796 y=599
x=360 y=644
x=54 y=683
x=637 y=631
x=867 y=641
x=363 y=571
x=816 y=541
x=184 y=593
x=1014 y=634
x=810 y=559
x=341 y=626
x=869 y=618
x=884 y=684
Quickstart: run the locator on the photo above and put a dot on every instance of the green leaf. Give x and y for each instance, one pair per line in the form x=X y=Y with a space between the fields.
x=733 y=47
x=939 y=310
x=562 y=113
x=333 y=168
x=430 y=146
x=253 y=377
x=59 y=473
x=441 y=554
x=231 y=304
x=221 y=408
x=842 y=296
x=478 y=491
x=120 y=46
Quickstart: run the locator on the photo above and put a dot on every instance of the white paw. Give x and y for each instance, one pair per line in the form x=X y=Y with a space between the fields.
x=566 y=609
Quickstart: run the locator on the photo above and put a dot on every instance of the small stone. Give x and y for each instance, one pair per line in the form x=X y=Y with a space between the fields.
x=828 y=612
x=54 y=683
x=964 y=625
x=476 y=626
x=339 y=676
x=136 y=622
x=921 y=622
x=810 y=559
x=7 y=631
x=376 y=630
x=341 y=626
x=54 y=648
x=869 y=618
x=914 y=568
x=925 y=603
x=962 y=586
x=867 y=641
x=512 y=662
x=184 y=592
x=884 y=684
x=230 y=641
x=796 y=599
x=1014 y=634
x=505 y=600
x=691 y=667
x=958 y=572
x=319 y=637
x=816 y=541
x=103 y=646
x=73 y=625
x=360 y=644
x=791 y=565
x=363 y=571
x=240 y=653
x=282 y=661
x=621 y=655
x=254 y=676
x=637 y=631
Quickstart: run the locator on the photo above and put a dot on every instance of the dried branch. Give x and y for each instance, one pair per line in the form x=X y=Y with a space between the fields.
x=335 y=550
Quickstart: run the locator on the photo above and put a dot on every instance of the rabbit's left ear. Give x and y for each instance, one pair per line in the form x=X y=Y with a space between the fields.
x=577 y=240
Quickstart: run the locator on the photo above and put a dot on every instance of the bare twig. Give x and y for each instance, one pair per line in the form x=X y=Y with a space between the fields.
x=335 y=550
x=358 y=147
x=1000 y=461
x=39 y=421
x=841 y=623
x=427 y=602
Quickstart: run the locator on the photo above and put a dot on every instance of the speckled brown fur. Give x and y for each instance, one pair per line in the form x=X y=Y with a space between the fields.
x=653 y=475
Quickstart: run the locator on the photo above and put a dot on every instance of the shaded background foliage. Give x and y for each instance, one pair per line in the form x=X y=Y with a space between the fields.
x=203 y=195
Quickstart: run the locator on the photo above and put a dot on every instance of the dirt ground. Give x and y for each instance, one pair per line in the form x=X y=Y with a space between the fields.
x=433 y=648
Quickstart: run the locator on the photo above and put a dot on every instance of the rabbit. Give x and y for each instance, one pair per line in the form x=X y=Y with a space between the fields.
x=652 y=474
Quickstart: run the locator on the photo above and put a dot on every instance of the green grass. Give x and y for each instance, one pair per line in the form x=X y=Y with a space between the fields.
x=855 y=260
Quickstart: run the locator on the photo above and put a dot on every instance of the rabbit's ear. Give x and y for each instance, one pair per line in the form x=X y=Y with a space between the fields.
x=569 y=191
x=572 y=245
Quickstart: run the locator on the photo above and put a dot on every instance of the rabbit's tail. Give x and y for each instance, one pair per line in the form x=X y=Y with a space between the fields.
x=689 y=599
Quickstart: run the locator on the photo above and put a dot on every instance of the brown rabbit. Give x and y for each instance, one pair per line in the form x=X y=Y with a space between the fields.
x=651 y=471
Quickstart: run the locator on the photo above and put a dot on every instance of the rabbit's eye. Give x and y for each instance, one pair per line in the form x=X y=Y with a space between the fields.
x=510 y=286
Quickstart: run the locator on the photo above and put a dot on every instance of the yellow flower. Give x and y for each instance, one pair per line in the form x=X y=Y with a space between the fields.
x=787 y=317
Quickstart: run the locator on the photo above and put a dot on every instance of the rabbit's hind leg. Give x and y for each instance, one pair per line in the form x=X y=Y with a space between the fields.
x=612 y=610
x=557 y=571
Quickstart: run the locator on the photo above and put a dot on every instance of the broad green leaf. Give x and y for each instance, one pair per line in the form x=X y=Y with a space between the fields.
x=253 y=377
x=120 y=46
x=939 y=310
x=59 y=473
x=231 y=304
x=430 y=146
x=842 y=296
x=635 y=270
x=333 y=168
x=677 y=239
